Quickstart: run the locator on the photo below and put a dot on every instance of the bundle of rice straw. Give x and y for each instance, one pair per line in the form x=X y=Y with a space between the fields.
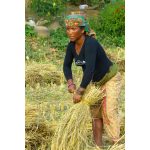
x=38 y=130
x=71 y=133
x=42 y=73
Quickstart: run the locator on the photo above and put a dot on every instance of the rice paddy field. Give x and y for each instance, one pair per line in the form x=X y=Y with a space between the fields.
x=47 y=98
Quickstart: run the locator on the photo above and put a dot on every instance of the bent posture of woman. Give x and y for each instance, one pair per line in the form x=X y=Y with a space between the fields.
x=96 y=66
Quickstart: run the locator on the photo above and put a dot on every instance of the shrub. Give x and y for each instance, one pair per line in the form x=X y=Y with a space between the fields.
x=60 y=38
x=112 y=19
x=89 y=2
x=110 y=25
x=45 y=8
x=29 y=30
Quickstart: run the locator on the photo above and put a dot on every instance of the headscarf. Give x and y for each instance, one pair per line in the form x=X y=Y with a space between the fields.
x=78 y=18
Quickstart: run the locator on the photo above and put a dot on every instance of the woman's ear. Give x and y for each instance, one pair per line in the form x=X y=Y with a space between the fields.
x=83 y=30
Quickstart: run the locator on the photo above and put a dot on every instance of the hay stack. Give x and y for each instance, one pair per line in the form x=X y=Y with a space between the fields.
x=38 y=131
x=42 y=73
x=117 y=57
x=72 y=131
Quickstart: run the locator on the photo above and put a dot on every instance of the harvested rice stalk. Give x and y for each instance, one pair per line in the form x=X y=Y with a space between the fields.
x=71 y=134
x=117 y=146
x=38 y=130
x=42 y=73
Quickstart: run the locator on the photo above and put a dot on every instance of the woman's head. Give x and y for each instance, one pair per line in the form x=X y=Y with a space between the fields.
x=76 y=25
x=77 y=20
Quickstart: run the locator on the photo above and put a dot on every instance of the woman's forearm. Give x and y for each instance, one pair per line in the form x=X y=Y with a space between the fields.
x=82 y=89
x=70 y=81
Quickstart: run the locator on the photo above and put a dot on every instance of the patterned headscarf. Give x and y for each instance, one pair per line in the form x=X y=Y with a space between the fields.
x=78 y=18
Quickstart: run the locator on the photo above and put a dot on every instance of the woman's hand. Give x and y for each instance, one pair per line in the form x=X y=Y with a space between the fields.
x=76 y=98
x=72 y=88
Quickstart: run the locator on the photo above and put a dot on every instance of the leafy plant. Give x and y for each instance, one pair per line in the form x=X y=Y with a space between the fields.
x=46 y=8
x=94 y=24
x=75 y=1
x=29 y=30
x=89 y=2
x=112 y=19
x=60 y=38
x=110 y=25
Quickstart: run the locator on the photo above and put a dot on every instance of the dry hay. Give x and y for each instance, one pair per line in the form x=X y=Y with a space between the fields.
x=117 y=56
x=118 y=146
x=72 y=132
x=122 y=124
x=38 y=131
x=123 y=79
x=42 y=73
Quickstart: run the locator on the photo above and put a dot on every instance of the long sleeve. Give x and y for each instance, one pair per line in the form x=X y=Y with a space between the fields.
x=68 y=62
x=90 y=59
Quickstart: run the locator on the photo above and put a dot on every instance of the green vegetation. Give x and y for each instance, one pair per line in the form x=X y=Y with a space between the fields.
x=89 y=2
x=60 y=38
x=29 y=30
x=46 y=8
x=110 y=25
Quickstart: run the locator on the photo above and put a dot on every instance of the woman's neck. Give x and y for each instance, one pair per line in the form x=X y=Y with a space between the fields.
x=80 y=41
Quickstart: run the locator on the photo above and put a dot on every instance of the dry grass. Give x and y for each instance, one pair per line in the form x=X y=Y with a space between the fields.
x=46 y=105
x=72 y=131
x=42 y=73
x=117 y=56
x=38 y=130
x=122 y=123
x=118 y=146
x=43 y=118
x=46 y=114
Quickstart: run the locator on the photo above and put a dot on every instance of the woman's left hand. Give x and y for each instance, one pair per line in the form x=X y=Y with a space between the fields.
x=76 y=98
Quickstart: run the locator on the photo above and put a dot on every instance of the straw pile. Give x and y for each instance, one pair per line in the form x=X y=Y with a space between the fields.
x=42 y=73
x=38 y=131
x=71 y=133
x=117 y=57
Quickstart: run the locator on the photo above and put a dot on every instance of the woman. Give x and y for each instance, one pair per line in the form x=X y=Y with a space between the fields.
x=90 y=55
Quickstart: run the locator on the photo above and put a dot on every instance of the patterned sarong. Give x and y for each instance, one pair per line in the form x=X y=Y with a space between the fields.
x=109 y=109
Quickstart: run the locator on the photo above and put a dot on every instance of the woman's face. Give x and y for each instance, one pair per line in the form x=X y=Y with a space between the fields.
x=74 y=32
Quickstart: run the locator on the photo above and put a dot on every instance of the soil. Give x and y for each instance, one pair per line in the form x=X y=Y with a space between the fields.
x=89 y=13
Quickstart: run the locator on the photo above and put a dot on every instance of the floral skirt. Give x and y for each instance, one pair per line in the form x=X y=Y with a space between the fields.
x=109 y=109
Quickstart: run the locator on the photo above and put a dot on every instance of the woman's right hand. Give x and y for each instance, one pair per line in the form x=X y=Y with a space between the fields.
x=72 y=88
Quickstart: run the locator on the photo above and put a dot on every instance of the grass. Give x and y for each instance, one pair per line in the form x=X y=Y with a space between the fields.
x=54 y=100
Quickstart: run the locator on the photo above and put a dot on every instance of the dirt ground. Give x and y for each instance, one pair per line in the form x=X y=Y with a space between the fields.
x=88 y=12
